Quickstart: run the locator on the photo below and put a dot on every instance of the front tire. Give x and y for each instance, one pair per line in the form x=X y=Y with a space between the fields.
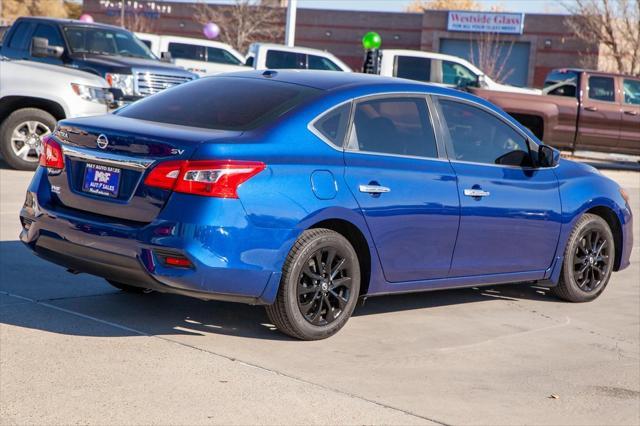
x=319 y=287
x=588 y=260
x=21 y=134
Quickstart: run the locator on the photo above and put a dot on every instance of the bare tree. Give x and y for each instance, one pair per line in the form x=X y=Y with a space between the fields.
x=139 y=22
x=614 y=25
x=490 y=53
x=244 y=22
x=419 y=6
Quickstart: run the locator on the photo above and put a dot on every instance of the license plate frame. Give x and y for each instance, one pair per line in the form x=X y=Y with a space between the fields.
x=101 y=180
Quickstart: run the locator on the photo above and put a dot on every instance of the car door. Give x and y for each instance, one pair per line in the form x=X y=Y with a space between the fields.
x=630 y=125
x=405 y=189
x=510 y=211
x=600 y=115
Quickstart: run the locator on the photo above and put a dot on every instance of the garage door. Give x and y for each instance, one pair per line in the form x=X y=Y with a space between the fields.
x=516 y=60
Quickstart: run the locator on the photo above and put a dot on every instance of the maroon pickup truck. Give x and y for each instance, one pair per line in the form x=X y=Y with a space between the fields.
x=579 y=110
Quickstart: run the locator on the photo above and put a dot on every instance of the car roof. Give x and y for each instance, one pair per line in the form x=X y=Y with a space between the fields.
x=62 y=21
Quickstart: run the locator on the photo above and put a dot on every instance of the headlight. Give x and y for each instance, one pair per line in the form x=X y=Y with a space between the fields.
x=123 y=82
x=93 y=94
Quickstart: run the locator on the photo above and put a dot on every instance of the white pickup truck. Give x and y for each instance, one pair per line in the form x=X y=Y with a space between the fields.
x=204 y=57
x=277 y=56
x=441 y=69
x=34 y=96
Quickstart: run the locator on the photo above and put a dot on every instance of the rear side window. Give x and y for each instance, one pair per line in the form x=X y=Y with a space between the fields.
x=19 y=38
x=413 y=68
x=221 y=56
x=480 y=137
x=602 y=89
x=321 y=63
x=333 y=124
x=51 y=33
x=225 y=103
x=631 y=89
x=187 y=51
x=277 y=59
x=399 y=126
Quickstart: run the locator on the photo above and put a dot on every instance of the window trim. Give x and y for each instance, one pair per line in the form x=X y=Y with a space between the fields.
x=445 y=133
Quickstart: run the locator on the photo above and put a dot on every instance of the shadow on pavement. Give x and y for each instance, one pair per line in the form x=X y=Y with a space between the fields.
x=75 y=296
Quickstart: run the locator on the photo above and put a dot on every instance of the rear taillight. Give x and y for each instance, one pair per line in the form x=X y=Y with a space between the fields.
x=51 y=154
x=209 y=178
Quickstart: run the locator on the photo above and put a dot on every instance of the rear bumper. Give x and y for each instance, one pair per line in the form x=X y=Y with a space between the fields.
x=231 y=259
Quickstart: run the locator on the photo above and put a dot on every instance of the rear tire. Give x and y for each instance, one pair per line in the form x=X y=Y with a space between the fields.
x=21 y=134
x=588 y=261
x=319 y=287
x=129 y=288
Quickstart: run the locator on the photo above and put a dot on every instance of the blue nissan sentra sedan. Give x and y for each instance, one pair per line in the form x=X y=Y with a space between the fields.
x=303 y=191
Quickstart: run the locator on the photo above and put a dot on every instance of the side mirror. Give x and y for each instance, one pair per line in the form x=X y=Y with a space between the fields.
x=482 y=81
x=548 y=156
x=166 y=57
x=40 y=48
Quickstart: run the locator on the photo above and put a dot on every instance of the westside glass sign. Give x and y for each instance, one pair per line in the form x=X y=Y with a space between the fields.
x=486 y=22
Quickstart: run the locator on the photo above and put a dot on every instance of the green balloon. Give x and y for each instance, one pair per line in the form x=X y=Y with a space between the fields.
x=371 y=40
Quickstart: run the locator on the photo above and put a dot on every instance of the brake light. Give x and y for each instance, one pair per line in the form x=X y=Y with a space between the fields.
x=51 y=154
x=209 y=178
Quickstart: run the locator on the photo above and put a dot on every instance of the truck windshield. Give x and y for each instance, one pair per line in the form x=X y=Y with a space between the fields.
x=105 y=41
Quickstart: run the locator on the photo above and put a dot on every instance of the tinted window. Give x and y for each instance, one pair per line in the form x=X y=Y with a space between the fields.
x=282 y=60
x=631 y=89
x=480 y=137
x=249 y=61
x=601 y=89
x=19 y=39
x=51 y=33
x=393 y=126
x=561 y=83
x=221 y=56
x=457 y=75
x=221 y=103
x=413 y=68
x=146 y=43
x=321 y=63
x=333 y=125
x=187 y=51
x=106 y=41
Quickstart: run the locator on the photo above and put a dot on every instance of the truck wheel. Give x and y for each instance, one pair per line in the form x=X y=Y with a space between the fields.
x=319 y=286
x=21 y=134
x=588 y=260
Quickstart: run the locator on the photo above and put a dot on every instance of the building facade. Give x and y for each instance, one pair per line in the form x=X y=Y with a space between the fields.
x=541 y=43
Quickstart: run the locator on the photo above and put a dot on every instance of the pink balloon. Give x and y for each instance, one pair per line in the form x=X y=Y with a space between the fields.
x=211 y=30
x=86 y=18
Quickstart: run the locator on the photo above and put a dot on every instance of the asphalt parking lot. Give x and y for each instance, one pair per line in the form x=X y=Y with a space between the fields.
x=73 y=350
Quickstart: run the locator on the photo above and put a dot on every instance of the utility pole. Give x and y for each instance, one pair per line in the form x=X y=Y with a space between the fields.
x=122 y=14
x=290 y=30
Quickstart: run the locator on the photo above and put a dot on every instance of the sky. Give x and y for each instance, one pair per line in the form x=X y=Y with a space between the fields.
x=527 y=6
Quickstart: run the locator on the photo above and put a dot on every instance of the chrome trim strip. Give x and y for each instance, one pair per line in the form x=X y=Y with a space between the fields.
x=118 y=160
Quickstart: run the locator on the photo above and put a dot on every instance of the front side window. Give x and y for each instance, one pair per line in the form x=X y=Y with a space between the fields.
x=478 y=136
x=602 y=89
x=398 y=126
x=19 y=38
x=631 y=89
x=221 y=56
x=458 y=75
x=51 y=33
x=561 y=83
x=277 y=59
x=321 y=63
x=105 y=41
x=187 y=51
x=413 y=68
x=333 y=124
x=224 y=103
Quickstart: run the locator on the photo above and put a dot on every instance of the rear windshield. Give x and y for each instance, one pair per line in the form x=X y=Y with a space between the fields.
x=225 y=103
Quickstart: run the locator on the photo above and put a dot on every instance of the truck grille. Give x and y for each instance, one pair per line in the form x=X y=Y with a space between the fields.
x=149 y=83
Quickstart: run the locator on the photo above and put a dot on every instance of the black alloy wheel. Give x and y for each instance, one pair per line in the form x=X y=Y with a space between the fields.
x=591 y=260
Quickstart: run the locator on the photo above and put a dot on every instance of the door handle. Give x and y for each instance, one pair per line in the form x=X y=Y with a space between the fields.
x=374 y=189
x=476 y=193
x=631 y=112
x=591 y=108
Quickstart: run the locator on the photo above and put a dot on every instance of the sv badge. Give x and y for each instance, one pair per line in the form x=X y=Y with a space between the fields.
x=176 y=151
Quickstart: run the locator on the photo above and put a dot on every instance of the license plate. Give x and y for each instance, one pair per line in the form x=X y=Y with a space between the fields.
x=101 y=180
